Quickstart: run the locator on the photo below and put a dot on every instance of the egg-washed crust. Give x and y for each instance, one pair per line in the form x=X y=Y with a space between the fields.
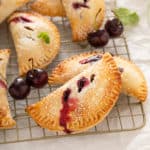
x=94 y=102
x=4 y=58
x=8 y=7
x=64 y=71
x=6 y=120
x=133 y=80
x=49 y=7
x=84 y=20
x=41 y=52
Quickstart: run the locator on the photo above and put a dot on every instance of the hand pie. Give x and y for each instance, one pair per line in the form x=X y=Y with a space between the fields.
x=49 y=7
x=85 y=16
x=83 y=101
x=6 y=120
x=9 y=6
x=133 y=81
x=36 y=38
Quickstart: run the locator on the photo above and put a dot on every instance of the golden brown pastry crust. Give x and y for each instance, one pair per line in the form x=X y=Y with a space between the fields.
x=133 y=80
x=84 y=20
x=49 y=7
x=89 y=107
x=29 y=45
x=9 y=6
x=64 y=71
x=6 y=120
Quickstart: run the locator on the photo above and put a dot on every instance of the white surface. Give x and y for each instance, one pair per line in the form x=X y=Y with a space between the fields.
x=139 y=45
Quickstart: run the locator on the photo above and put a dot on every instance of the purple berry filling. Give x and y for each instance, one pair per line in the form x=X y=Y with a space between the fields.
x=20 y=19
x=83 y=82
x=69 y=104
x=90 y=59
x=66 y=95
x=78 y=5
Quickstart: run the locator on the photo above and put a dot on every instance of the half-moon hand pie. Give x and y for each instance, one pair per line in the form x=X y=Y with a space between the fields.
x=36 y=38
x=83 y=101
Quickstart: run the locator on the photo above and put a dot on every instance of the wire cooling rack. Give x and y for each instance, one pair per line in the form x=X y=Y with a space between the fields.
x=128 y=114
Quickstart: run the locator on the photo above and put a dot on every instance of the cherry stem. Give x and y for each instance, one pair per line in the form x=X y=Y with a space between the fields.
x=31 y=60
x=99 y=11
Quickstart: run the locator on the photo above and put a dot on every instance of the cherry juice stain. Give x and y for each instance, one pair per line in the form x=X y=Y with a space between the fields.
x=83 y=82
x=78 y=5
x=91 y=59
x=3 y=85
x=69 y=104
x=20 y=19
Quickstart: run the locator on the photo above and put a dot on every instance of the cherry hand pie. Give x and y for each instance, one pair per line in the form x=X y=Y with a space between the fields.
x=49 y=7
x=83 y=101
x=133 y=81
x=6 y=120
x=9 y=6
x=36 y=38
x=85 y=16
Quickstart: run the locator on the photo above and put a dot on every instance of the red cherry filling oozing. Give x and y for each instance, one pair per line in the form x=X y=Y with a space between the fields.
x=20 y=19
x=82 y=83
x=69 y=104
x=78 y=5
x=2 y=84
x=90 y=59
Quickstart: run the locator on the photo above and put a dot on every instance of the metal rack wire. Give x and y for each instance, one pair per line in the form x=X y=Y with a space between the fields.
x=128 y=114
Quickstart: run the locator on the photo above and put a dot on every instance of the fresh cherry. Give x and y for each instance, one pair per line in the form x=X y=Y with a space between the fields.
x=37 y=78
x=19 y=89
x=114 y=27
x=98 y=38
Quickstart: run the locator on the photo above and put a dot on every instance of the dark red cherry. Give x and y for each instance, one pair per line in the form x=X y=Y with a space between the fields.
x=98 y=38
x=37 y=78
x=19 y=89
x=114 y=27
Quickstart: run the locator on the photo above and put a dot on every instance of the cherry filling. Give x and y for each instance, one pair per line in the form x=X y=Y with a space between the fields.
x=66 y=95
x=3 y=85
x=78 y=5
x=121 y=69
x=83 y=82
x=20 y=19
x=90 y=59
x=69 y=104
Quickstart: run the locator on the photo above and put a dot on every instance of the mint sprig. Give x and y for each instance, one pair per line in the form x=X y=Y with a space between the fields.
x=126 y=16
x=44 y=36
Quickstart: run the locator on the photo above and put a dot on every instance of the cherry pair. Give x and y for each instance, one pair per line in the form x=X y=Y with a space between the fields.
x=20 y=88
x=113 y=28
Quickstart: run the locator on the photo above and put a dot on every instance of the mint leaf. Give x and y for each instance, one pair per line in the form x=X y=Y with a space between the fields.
x=126 y=16
x=44 y=36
